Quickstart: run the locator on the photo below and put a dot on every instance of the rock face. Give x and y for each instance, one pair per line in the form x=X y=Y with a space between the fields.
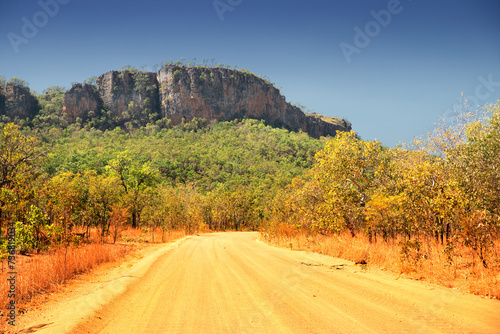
x=225 y=94
x=130 y=95
x=218 y=93
x=17 y=102
x=181 y=93
x=317 y=127
x=80 y=101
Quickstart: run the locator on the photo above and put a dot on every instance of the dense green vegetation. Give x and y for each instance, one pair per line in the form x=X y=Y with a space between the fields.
x=229 y=153
x=191 y=176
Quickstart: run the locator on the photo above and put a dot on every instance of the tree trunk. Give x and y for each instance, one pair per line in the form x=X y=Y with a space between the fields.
x=134 y=219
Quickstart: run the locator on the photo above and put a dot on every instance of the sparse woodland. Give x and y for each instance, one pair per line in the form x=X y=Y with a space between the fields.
x=431 y=211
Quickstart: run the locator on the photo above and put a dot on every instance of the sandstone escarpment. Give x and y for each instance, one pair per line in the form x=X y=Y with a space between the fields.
x=220 y=94
x=17 y=102
x=224 y=94
x=181 y=93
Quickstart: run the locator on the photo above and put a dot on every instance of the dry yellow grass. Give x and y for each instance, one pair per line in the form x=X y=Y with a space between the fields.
x=43 y=273
x=456 y=269
x=148 y=235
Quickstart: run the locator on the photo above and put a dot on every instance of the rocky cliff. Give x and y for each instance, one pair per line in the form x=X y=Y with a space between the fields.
x=181 y=93
x=80 y=101
x=17 y=102
x=130 y=95
x=224 y=94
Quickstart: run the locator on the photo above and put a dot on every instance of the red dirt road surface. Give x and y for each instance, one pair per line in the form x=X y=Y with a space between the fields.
x=233 y=283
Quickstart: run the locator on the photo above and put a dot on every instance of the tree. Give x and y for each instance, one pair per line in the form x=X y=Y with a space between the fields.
x=135 y=177
x=103 y=198
x=426 y=193
x=18 y=156
x=384 y=215
x=153 y=212
x=348 y=170
x=51 y=103
x=91 y=80
x=475 y=165
x=67 y=200
x=18 y=153
x=478 y=162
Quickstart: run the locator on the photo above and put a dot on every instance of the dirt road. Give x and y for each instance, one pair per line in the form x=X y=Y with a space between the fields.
x=232 y=283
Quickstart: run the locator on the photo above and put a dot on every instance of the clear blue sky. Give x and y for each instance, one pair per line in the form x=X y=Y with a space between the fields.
x=395 y=87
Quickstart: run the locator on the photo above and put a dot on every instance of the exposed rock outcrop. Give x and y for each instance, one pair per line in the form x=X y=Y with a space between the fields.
x=80 y=102
x=17 y=102
x=224 y=94
x=130 y=95
x=181 y=93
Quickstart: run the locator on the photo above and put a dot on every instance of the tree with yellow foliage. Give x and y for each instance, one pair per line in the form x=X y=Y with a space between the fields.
x=348 y=170
x=18 y=158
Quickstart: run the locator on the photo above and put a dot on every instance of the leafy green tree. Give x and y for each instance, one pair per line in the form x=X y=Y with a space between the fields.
x=135 y=178
x=51 y=112
x=91 y=80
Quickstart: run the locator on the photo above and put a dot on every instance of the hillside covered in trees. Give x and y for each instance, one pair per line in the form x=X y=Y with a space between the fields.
x=189 y=176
